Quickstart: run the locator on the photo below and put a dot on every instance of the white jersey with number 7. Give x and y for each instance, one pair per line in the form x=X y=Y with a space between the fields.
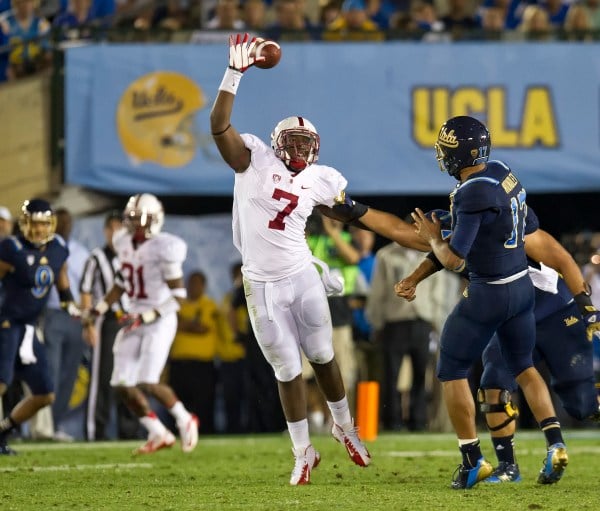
x=270 y=209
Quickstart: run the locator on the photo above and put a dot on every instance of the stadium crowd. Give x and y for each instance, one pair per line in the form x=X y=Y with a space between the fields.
x=31 y=29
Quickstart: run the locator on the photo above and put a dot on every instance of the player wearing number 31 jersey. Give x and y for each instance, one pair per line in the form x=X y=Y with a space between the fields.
x=276 y=189
x=151 y=274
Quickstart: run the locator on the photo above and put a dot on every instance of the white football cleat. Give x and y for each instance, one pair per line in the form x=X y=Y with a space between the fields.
x=156 y=443
x=348 y=436
x=306 y=460
x=188 y=433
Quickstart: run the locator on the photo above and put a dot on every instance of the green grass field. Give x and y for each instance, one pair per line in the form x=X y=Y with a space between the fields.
x=409 y=472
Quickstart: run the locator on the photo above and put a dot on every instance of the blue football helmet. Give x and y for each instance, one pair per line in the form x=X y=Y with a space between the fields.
x=37 y=221
x=462 y=142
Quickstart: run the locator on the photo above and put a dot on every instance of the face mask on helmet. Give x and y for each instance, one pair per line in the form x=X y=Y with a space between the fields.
x=37 y=222
x=143 y=216
x=296 y=142
x=462 y=142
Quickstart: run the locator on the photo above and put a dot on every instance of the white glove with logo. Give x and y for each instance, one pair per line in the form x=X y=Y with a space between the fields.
x=241 y=52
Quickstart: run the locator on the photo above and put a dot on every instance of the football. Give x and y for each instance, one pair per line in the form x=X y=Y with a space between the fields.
x=268 y=49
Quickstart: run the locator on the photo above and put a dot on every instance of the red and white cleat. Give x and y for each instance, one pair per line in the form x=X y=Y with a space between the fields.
x=188 y=433
x=306 y=460
x=156 y=443
x=348 y=436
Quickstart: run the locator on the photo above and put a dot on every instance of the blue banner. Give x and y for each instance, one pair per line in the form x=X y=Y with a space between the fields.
x=137 y=116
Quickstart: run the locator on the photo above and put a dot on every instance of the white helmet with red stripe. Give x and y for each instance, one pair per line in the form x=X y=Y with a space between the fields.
x=144 y=216
x=296 y=142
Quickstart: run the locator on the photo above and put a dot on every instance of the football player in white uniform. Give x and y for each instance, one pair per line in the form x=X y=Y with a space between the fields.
x=151 y=274
x=276 y=189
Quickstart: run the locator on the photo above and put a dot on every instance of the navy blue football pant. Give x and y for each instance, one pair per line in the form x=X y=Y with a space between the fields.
x=504 y=309
x=37 y=374
x=563 y=345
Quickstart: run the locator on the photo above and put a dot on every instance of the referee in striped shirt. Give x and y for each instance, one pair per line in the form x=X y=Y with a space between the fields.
x=97 y=279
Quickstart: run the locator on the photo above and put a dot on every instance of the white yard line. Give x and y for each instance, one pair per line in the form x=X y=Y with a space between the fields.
x=67 y=468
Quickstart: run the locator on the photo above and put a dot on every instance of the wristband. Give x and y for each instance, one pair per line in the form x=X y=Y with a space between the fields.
x=584 y=303
x=231 y=81
x=149 y=316
x=65 y=295
x=101 y=308
x=436 y=262
x=179 y=292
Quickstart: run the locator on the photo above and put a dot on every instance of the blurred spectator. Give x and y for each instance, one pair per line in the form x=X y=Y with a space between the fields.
x=535 y=24
x=402 y=329
x=75 y=22
x=62 y=333
x=425 y=22
x=328 y=12
x=593 y=9
x=591 y=274
x=557 y=11
x=291 y=23
x=27 y=34
x=492 y=22
x=382 y=11
x=6 y=222
x=578 y=23
x=101 y=9
x=364 y=241
x=97 y=279
x=254 y=15
x=171 y=15
x=353 y=24
x=192 y=370
x=225 y=21
x=232 y=356
x=460 y=19
x=227 y=17
x=509 y=10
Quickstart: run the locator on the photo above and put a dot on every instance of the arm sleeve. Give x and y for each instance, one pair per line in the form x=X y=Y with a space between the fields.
x=464 y=233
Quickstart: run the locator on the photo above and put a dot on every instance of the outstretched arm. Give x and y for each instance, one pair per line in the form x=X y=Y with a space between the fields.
x=542 y=247
x=407 y=287
x=385 y=224
x=226 y=137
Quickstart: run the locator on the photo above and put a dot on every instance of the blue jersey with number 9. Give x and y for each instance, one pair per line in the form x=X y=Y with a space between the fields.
x=27 y=287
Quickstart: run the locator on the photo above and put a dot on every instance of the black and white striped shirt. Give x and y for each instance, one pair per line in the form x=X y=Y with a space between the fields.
x=99 y=275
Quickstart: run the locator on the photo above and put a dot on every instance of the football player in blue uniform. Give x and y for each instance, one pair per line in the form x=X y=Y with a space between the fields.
x=30 y=264
x=566 y=320
x=489 y=214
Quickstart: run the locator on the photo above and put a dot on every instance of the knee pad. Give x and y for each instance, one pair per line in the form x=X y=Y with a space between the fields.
x=504 y=406
x=319 y=354
x=285 y=372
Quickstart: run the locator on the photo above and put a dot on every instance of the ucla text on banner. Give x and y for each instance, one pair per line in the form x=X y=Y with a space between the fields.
x=138 y=115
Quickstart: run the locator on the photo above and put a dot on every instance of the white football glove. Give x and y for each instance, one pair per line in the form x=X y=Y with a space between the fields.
x=241 y=52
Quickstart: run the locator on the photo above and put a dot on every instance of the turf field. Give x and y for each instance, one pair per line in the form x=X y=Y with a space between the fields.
x=409 y=472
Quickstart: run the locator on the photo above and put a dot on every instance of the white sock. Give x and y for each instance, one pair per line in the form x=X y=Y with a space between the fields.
x=179 y=412
x=152 y=423
x=465 y=441
x=340 y=411
x=299 y=434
